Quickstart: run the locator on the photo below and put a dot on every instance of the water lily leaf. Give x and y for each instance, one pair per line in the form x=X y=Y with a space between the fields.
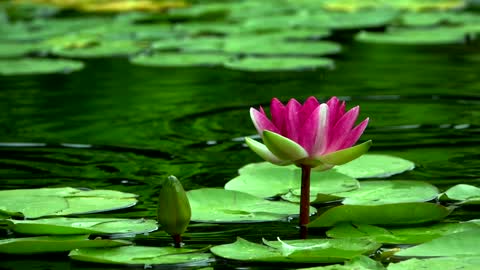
x=357 y=263
x=386 y=214
x=65 y=226
x=256 y=64
x=466 y=193
x=388 y=192
x=99 y=49
x=35 y=203
x=16 y=49
x=267 y=180
x=46 y=244
x=413 y=235
x=300 y=251
x=172 y=59
x=433 y=18
x=219 y=205
x=9 y=67
x=444 y=263
x=415 y=36
x=374 y=165
x=140 y=255
x=197 y=44
x=457 y=244
x=412 y=5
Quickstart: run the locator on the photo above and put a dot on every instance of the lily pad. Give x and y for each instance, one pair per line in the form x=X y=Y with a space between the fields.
x=140 y=255
x=386 y=214
x=444 y=263
x=256 y=64
x=65 y=226
x=415 y=36
x=457 y=244
x=467 y=194
x=16 y=49
x=166 y=59
x=267 y=180
x=295 y=251
x=414 y=235
x=358 y=263
x=197 y=44
x=374 y=165
x=389 y=192
x=100 y=49
x=218 y=205
x=36 y=203
x=46 y=244
x=25 y=66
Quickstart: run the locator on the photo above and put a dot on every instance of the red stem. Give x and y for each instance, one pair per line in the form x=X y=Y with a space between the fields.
x=177 y=240
x=305 y=201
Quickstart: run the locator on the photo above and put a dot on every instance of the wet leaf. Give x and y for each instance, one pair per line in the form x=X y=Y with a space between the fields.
x=357 y=263
x=47 y=244
x=140 y=255
x=218 y=205
x=374 y=165
x=25 y=66
x=300 y=251
x=386 y=214
x=65 y=226
x=467 y=194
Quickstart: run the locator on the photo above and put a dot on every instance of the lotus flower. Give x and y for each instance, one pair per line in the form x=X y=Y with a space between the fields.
x=312 y=134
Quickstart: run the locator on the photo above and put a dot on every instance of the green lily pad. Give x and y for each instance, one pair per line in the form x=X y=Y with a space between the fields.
x=444 y=263
x=140 y=255
x=457 y=244
x=295 y=251
x=414 y=235
x=173 y=59
x=256 y=64
x=415 y=36
x=346 y=20
x=65 y=226
x=386 y=214
x=434 y=18
x=374 y=165
x=389 y=192
x=16 y=49
x=219 y=205
x=35 y=203
x=197 y=44
x=466 y=193
x=100 y=49
x=25 y=66
x=46 y=244
x=267 y=180
x=358 y=263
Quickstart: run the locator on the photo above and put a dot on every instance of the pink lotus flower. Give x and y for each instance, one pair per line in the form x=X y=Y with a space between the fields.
x=312 y=134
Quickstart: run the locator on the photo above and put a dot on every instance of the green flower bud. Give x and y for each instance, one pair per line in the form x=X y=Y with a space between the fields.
x=174 y=210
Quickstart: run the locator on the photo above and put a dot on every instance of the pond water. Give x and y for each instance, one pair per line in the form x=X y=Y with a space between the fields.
x=117 y=126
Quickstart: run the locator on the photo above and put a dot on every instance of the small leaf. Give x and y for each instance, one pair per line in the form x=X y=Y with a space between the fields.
x=466 y=193
x=374 y=165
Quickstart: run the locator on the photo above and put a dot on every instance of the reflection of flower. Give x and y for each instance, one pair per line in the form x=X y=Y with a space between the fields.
x=312 y=134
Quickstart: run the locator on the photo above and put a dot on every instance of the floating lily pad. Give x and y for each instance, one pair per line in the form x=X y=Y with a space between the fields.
x=279 y=63
x=389 y=192
x=295 y=251
x=358 y=263
x=101 y=49
x=415 y=36
x=64 y=226
x=386 y=214
x=466 y=193
x=218 y=205
x=444 y=263
x=16 y=49
x=435 y=18
x=414 y=235
x=26 y=66
x=180 y=59
x=267 y=180
x=457 y=244
x=35 y=203
x=344 y=20
x=197 y=44
x=140 y=255
x=46 y=244
x=373 y=165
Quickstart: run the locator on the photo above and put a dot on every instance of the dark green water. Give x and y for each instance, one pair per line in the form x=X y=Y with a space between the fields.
x=118 y=126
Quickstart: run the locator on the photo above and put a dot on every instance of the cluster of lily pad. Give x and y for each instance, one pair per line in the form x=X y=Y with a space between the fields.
x=246 y=35
x=362 y=216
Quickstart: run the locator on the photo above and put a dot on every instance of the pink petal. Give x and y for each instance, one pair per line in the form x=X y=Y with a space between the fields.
x=261 y=122
x=309 y=131
x=354 y=135
x=308 y=107
x=336 y=110
x=277 y=109
x=292 y=123
x=342 y=128
x=321 y=139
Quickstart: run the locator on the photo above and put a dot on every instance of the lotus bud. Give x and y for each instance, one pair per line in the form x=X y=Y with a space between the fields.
x=174 y=210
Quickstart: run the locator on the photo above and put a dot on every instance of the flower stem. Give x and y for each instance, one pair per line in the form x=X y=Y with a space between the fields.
x=305 y=201
x=177 y=240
